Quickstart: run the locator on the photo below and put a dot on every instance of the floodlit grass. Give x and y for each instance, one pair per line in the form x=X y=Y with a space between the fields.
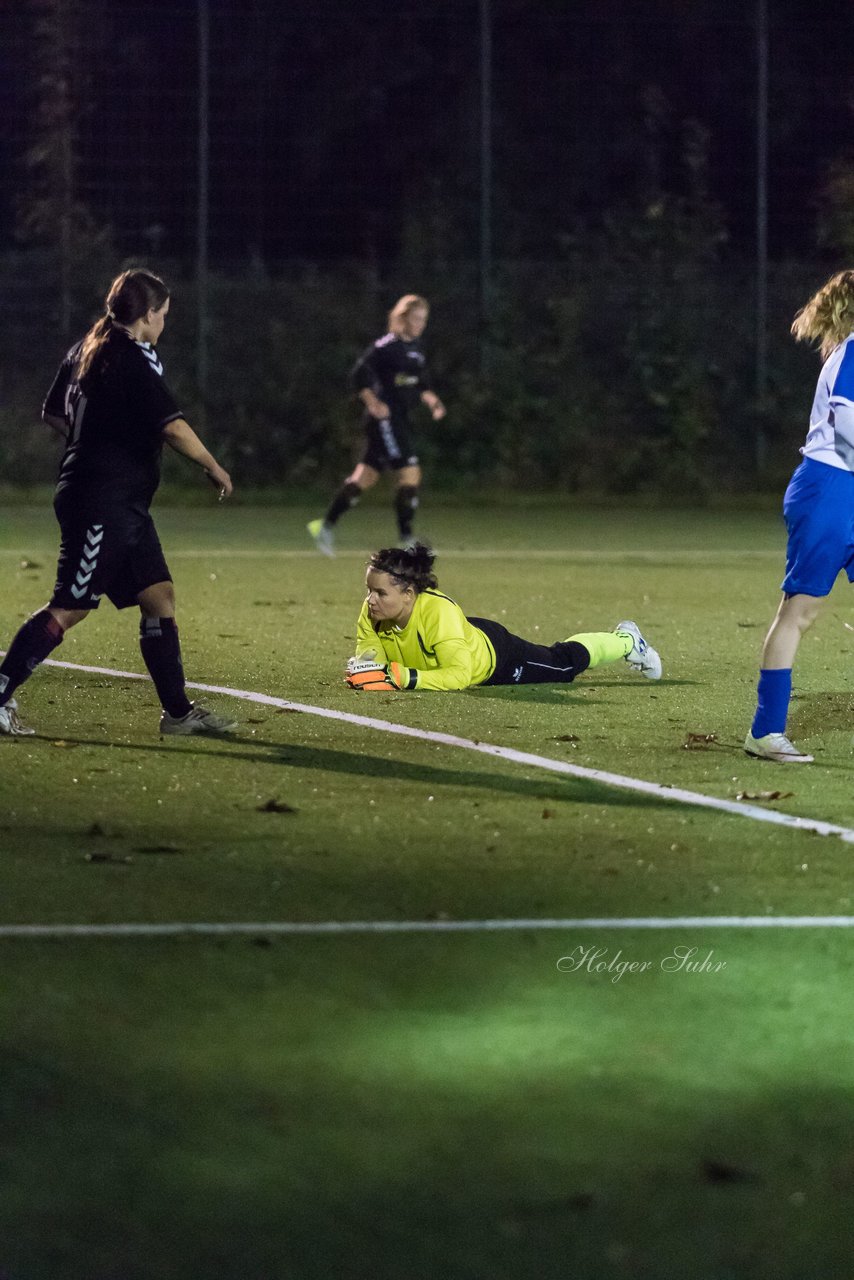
x=427 y=1106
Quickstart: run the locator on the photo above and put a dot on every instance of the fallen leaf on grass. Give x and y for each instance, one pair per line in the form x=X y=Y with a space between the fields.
x=60 y=742
x=275 y=806
x=764 y=795
x=699 y=741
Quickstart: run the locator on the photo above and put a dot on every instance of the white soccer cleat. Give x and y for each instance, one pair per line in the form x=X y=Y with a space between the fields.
x=10 y=722
x=641 y=657
x=775 y=746
x=197 y=720
x=324 y=538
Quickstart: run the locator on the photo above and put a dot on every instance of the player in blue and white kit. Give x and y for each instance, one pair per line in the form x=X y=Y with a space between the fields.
x=112 y=407
x=819 y=513
x=390 y=379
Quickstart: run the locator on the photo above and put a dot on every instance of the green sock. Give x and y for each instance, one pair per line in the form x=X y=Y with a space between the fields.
x=604 y=646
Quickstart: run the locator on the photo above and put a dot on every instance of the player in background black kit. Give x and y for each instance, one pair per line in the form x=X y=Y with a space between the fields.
x=110 y=404
x=390 y=379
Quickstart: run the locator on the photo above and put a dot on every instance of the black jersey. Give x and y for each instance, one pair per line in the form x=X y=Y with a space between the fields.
x=395 y=370
x=115 y=418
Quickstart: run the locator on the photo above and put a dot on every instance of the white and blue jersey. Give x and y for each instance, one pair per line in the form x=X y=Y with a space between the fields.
x=831 y=435
x=819 y=503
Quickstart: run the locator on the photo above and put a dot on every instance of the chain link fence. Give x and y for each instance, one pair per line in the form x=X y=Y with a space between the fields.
x=344 y=149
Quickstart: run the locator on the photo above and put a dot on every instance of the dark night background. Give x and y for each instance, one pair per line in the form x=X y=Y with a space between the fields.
x=345 y=152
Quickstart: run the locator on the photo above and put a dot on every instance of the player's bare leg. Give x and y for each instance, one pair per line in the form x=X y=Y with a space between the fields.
x=793 y=619
x=67 y=618
x=363 y=476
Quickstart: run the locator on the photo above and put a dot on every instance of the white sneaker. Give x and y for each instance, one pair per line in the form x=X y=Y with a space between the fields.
x=197 y=720
x=775 y=746
x=10 y=722
x=324 y=538
x=641 y=657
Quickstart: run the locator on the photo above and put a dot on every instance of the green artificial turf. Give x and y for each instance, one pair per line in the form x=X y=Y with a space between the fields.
x=436 y=1105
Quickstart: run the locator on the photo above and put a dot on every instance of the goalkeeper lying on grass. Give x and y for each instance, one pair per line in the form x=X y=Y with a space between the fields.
x=411 y=636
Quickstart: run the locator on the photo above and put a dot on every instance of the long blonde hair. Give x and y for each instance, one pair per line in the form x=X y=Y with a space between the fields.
x=402 y=308
x=828 y=317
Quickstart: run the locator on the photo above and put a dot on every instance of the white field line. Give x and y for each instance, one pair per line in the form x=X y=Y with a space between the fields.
x=661 y=791
x=175 y=929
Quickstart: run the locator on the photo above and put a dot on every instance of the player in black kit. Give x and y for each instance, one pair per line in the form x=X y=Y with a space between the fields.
x=390 y=379
x=112 y=407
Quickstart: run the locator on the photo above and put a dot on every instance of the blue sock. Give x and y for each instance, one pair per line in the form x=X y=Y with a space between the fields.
x=772 y=702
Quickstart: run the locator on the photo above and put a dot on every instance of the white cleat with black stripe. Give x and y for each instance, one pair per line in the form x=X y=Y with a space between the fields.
x=775 y=746
x=641 y=657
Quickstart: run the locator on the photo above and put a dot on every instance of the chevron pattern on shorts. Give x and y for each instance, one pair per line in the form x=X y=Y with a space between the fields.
x=88 y=561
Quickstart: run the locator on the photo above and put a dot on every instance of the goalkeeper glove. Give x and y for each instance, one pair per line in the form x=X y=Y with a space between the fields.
x=371 y=676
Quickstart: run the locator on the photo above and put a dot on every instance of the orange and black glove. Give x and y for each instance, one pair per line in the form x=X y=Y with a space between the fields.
x=370 y=676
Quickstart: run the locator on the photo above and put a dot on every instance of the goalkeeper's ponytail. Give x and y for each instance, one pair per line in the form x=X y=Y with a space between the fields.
x=408 y=566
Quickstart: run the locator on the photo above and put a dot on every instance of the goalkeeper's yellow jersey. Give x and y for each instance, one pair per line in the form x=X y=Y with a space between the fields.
x=438 y=644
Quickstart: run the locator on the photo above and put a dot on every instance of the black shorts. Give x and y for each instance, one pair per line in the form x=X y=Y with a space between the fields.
x=519 y=661
x=105 y=550
x=389 y=445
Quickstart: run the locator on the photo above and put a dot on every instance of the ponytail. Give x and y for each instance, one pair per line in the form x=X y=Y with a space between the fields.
x=91 y=345
x=131 y=296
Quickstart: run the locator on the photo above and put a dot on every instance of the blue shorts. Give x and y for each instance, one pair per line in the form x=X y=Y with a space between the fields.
x=819 y=512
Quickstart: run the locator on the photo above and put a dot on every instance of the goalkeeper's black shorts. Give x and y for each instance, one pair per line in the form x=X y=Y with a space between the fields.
x=519 y=661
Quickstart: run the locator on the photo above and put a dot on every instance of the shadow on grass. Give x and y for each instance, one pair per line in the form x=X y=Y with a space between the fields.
x=548 y=785
x=139 y=1163
x=554 y=695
